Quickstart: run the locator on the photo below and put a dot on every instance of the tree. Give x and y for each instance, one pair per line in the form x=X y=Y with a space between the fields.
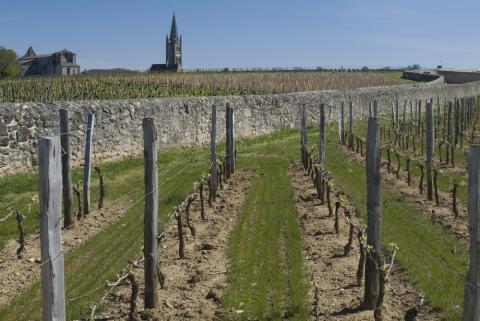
x=414 y=67
x=9 y=66
x=364 y=68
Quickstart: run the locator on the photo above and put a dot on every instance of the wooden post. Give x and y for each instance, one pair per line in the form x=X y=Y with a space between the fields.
x=303 y=135
x=321 y=147
x=375 y=108
x=213 y=152
x=227 y=141
x=372 y=271
x=341 y=123
x=350 y=125
x=49 y=170
x=449 y=132
x=471 y=310
x=419 y=119
x=87 y=164
x=150 y=218
x=68 y=218
x=457 y=126
x=233 y=159
x=396 y=114
x=410 y=126
x=430 y=145
x=231 y=145
x=392 y=111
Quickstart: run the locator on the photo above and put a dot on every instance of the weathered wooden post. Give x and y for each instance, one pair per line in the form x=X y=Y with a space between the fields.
x=213 y=152
x=372 y=270
x=350 y=125
x=419 y=120
x=150 y=217
x=50 y=177
x=227 y=141
x=87 y=164
x=233 y=159
x=341 y=123
x=410 y=126
x=430 y=145
x=449 y=132
x=68 y=218
x=231 y=145
x=392 y=112
x=321 y=147
x=457 y=123
x=303 y=135
x=471 y=310
x=396 y=114
x=375 y=108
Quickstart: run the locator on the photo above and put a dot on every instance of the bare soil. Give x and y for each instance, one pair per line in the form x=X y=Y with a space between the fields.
x=334 y=294
x=195 y=284
x=17 y=274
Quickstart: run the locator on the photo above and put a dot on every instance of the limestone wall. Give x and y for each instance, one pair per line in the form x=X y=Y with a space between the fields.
x=185 y=120
x=420 y=75
x=457 y=76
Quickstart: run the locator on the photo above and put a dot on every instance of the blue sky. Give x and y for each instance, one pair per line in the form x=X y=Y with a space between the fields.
x=249 y=33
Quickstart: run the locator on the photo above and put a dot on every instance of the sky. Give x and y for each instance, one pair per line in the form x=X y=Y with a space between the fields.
x=249 y=33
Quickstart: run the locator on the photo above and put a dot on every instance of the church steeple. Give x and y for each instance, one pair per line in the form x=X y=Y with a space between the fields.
x=173 y=29
x=173 y=50
x=174 y=47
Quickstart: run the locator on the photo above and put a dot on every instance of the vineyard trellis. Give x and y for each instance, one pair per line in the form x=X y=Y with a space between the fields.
x=464 y=118
x=51 y=157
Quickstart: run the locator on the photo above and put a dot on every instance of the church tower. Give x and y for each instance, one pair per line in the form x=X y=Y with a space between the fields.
x=174 y=47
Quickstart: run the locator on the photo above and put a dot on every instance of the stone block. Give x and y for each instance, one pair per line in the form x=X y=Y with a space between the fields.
x=23 y=134
x=4 y=141
x=3 y=129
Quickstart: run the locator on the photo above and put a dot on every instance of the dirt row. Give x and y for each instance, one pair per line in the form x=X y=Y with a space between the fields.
x=17 y=274
x=195 y=284
x=334 y=293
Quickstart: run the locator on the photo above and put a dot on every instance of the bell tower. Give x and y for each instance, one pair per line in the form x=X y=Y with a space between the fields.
x=174 y=47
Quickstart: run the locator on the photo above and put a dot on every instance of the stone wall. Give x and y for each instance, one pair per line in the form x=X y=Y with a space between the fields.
x=457 y=76
x=186 y=120
x=419 y=75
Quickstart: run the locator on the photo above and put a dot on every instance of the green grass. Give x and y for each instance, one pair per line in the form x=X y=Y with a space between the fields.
x=397 y=75
x=265 y=249
x=104 y=255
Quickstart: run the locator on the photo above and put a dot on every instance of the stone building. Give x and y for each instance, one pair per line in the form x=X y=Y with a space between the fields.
x=60 y=63
x=173 y=47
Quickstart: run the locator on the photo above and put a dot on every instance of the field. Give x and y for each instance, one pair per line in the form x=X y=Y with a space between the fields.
x=268 y=249
x=132 y=86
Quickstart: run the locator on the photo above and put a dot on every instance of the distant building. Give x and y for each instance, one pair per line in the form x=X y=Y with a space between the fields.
x=61 y=63
x=173 y=46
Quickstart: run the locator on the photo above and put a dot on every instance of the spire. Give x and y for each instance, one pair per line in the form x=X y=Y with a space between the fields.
x=30 y=53
x=173 y=29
